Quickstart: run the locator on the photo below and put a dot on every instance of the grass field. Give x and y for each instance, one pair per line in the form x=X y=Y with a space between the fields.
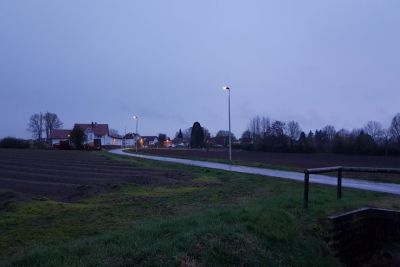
x=213 y=218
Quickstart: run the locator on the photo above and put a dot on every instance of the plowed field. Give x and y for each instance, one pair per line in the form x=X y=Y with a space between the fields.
x=295 y=160
x=71 y=175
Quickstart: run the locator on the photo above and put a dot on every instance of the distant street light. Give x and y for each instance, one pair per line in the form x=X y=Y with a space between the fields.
x=226 y=88
x=137 y=122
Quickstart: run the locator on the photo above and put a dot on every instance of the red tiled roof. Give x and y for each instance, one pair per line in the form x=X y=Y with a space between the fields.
x=60 y=134
x=98 y=129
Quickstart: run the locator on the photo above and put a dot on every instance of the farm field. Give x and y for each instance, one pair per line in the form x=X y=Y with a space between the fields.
x=298 y=161
x=134 y=212
x=290 y=161
x=71 y=175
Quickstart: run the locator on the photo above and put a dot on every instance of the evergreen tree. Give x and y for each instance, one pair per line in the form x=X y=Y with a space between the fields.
x=197 y=136
x=161 y=139
x=77 y=137
x=179 y=135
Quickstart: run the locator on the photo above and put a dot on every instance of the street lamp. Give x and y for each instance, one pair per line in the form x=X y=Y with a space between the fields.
x=137 y=122
x=226 y=88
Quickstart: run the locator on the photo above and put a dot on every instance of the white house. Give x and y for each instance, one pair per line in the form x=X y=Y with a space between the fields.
x=130 y=139
x=149 y=141
x=59 y=135
x=96 y=134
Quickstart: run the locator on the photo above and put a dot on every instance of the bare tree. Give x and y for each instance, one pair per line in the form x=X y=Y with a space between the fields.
x=265 y=126
x=207 y=134
x=222 y=133
x=343 y=133
x=255 y=127
x=186 y=134
x=278 y=128
x=375 y=130
x=246 y=137
x=222 y=138
x=113 y=132
x=35 y=125
x=395 y=128
x=386 y=139
x=329 y=132
x=356 y=132
x=51 y=122
x=293 y=130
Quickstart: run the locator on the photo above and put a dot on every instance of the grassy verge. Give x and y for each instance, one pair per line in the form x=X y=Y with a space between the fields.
x=221 y=218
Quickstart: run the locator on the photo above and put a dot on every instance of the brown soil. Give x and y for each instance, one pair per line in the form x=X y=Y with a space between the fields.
x=293 y=161
x=70 y=175
x=300 y=161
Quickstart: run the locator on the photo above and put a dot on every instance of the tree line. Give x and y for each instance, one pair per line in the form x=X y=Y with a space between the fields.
x=40 y=125
x=264 y=134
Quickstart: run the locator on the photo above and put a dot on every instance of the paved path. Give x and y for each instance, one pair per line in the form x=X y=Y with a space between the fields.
x=297 y=176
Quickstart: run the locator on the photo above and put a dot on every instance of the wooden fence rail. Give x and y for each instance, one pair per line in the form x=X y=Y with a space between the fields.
x=339 y=170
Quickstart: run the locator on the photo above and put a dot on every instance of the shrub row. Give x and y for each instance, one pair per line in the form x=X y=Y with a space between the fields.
x=12 y=142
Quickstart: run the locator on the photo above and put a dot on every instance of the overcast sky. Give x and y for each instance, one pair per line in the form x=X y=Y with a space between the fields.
x=317 y=62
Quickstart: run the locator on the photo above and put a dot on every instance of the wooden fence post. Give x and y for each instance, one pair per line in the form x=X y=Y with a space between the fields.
x=306 y=185
x=340 y=170
x=339 y=184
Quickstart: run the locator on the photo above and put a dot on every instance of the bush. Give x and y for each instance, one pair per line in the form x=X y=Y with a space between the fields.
x=12 y=142
x=77 y=137
x=40 y=145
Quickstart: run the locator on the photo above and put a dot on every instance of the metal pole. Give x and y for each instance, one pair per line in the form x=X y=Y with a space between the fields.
x=125 y=138
x=137 y=122
x=230 y=134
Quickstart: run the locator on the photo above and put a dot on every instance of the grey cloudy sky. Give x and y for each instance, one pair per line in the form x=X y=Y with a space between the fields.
x=317 y=62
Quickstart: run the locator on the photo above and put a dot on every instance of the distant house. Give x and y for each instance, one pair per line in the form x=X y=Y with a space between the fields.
x=149 y=141
x=180 y=142
x=168 y=143
x=96 y=134
x=116 y=140
x=130 y=139
x=59 y=135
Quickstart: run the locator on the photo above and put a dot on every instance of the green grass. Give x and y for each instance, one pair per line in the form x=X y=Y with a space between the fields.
x=221 y=218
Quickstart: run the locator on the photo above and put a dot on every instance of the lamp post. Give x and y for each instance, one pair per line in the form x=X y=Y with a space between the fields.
x=125 y=138
x=137 y=122
x=226 y=88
